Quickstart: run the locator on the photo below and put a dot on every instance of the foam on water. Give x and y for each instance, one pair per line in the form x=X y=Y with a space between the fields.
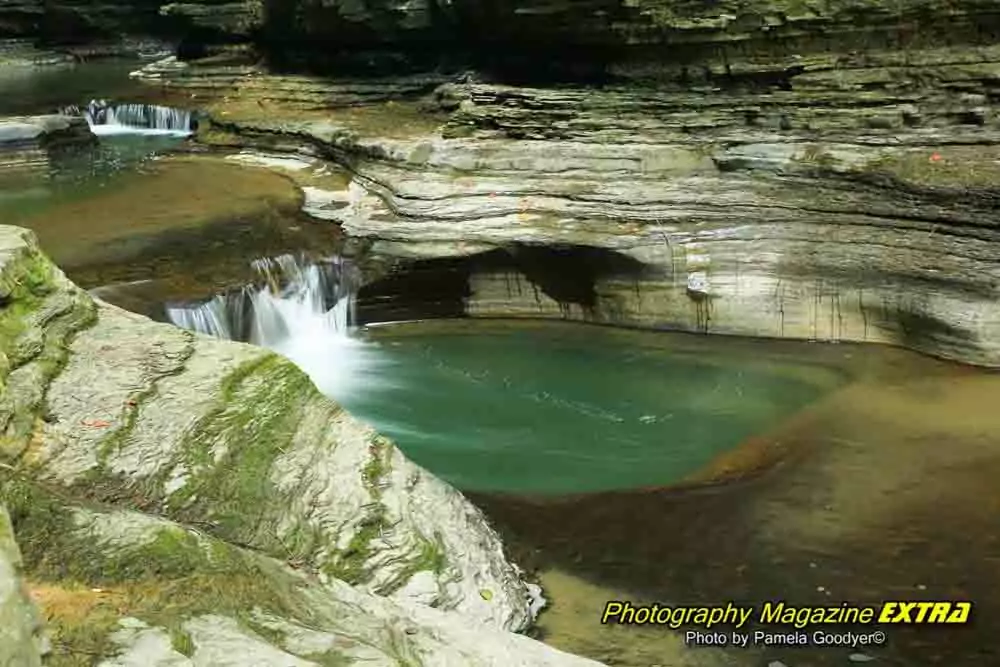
x=148 y=119
x=302 y=310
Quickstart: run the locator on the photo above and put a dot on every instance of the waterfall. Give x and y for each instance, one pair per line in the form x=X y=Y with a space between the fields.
x=217 y=317
x=301 y=309
x=108 y=119
x=296 y=292
x=290 y=293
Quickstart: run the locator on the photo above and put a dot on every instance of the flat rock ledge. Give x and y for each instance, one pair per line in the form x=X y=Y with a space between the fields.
x=43 y=131
x=182 y=500
x=28 y=143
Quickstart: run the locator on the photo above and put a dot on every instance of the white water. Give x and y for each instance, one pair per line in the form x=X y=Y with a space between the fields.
x=110 y=120
x=288 y=314
x=212 y=317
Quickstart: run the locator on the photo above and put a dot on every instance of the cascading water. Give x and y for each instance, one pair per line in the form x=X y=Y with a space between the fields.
x=111 y=119
x=216 y=317
x=297 y=293
x=303 y=310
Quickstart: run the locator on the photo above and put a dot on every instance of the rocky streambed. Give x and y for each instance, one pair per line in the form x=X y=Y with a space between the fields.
x=818 y=172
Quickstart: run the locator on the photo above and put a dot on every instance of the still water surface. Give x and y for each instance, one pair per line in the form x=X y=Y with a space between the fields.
x=567 y=409
x=40 y=90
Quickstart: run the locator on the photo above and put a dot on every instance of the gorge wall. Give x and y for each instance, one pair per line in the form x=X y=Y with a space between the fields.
x=854 y=199
x=821 y=170
x=689 y=39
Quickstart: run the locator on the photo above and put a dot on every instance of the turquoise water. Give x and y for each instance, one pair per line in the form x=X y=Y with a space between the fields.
x=569 y=409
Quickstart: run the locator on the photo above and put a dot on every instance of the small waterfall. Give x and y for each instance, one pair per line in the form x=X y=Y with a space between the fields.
x=303 y=310
x=217 y=317
x=295 y=293
x=290 y=293
x=109 y=119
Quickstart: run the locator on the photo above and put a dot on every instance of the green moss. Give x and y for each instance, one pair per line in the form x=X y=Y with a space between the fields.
x=258 y=413
x=380 y=453
x=163 y=580
x=815 y=155
x=331 y=659
x=956 y=168
x=33 y=331
x=78 y=641
x=430 y=558
x=181 y=642
x=119 y=436
x=39 y=521
x=351 y=564
x=24 y=284
x=301 y=542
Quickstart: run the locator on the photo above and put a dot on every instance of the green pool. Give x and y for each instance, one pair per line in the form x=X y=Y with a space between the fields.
x=552 y=409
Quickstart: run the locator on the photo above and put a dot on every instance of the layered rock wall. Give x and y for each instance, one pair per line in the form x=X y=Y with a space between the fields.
x=74 y=21
x=855 y=201
x=665 y=40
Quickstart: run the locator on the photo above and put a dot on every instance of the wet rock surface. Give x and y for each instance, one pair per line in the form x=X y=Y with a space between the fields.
x=27 y=143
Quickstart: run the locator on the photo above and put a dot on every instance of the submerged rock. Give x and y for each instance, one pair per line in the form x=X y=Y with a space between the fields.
x=149 y=461
x=27 y=143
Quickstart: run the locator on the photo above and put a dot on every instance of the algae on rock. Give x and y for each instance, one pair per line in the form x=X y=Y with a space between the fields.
x=160 y=593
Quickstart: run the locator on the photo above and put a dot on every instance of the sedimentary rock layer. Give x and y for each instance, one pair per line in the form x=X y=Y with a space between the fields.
x=855 y=201
x=27 y=143
x=662 y=39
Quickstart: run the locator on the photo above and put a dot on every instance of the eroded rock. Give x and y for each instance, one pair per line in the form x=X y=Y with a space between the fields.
x=172 y=595
x=20 y=640
x=852 y=202
x=27 y=143
x=137 y=456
